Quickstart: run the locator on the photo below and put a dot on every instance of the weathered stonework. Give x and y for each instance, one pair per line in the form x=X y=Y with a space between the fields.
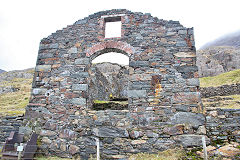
x=8 y=124
x=223 y=125
x=164 y=103
x=223 y=90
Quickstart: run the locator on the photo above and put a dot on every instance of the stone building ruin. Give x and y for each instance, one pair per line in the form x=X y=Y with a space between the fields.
x=164 y=105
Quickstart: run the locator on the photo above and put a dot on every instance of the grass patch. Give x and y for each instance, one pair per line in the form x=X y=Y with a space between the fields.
x=221 y=79
x=14 y=103
x=227 y=102
x=112 y=105
x=106 y=102
x=100 y=102
x=170 y=154
x=51 y=158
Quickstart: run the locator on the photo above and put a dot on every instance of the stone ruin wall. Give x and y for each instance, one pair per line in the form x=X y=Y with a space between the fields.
x=223 y=125
x=9 y=124
x=164 y=105
x=223 y=90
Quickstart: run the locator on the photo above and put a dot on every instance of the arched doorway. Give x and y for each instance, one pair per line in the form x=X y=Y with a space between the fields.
x=108 y=82
x=109 y=76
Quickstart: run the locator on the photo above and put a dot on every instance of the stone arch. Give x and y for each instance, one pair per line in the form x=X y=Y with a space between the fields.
x=109 y=46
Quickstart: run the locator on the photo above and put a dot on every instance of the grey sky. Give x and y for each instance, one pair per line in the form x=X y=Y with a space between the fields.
x=23 y=23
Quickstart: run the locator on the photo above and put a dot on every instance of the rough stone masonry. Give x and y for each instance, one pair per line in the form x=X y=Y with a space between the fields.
x=164 y=104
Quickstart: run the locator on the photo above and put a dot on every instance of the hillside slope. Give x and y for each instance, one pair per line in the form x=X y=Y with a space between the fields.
x=221 y=79
x=15 y=88
x=231 y=39
x=216 y=60
x=230 y=101
x=219 y=56
x=1 y=71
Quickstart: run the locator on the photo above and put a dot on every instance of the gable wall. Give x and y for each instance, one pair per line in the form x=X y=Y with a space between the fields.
x=163 y=85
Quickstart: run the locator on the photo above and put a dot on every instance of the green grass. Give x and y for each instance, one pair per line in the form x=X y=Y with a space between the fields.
x=100 y=102
x=105 y=102
x=231 y=104
x=51 y=158
x=170 y=154
x=231 y=101
x=14 y=103
x=221 y=79
x=227 y=102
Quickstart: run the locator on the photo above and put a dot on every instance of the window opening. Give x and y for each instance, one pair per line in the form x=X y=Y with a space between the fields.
x=113 y=27
x=108 y=86
x=112 y=57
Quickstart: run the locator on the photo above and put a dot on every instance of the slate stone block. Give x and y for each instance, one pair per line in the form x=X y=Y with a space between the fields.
x=82 y=61
x=80 y=75
x=137 y=93
x=193 y=119
x=186 y=98
x=181 y=44
x=139 y=63
x=193 y=82
x=53 y=46
x=186 y=69
x=48 y=46
x=190 y=140
x=110 y=132
x=182 y=32
x=163 y=144
x=79 y=87
x=79 y=101
x=39 y=91
x=72 y=50
x=45 y=55
x=44 y=68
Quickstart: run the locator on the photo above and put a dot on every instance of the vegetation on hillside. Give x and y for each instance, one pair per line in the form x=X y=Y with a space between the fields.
x=1 y=71
x=170 y=154
x=221 y=79
x=231 y=101
x=13 y=103
x=227 y=102
x=51 y=158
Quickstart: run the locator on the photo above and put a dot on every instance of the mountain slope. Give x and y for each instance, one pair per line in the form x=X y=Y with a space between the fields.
x=221 y=79
x=231 y=39
x=216 y=60
x=15 y=88
x=219 y=56
x=1 y=71
x=230 y=100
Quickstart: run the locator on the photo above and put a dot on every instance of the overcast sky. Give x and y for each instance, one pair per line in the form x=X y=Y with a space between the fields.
x=23 y=23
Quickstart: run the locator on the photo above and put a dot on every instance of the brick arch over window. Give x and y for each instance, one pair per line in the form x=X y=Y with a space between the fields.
x=109 y=46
